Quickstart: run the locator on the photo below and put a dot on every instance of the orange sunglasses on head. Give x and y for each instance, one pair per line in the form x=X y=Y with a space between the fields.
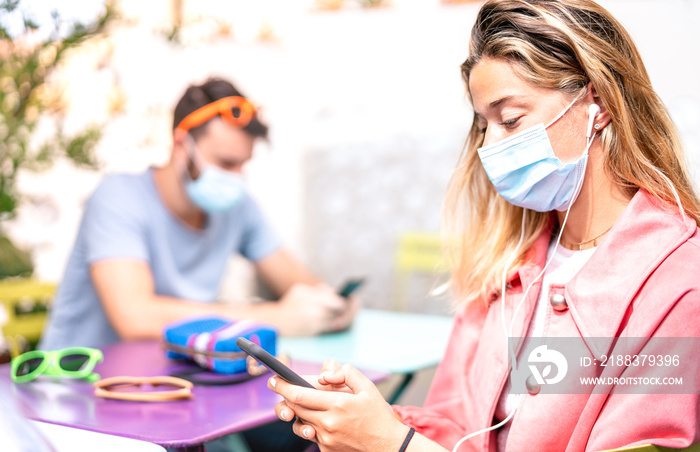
x=223 y=107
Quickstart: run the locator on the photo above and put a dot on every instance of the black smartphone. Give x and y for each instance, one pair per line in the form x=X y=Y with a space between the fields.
x=272 y=363
x=350 y=286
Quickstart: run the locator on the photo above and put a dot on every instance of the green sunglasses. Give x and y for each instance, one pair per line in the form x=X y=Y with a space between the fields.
x=72 y=362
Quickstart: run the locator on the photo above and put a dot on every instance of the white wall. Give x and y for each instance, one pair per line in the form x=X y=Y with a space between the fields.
x=358 y=81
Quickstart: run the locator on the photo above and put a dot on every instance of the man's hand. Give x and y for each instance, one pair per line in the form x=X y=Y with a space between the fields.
x=307 y=310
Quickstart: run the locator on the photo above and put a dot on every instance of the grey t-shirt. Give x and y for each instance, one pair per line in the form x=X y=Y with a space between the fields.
x=125 y=218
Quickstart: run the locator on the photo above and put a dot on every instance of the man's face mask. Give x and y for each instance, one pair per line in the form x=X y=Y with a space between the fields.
x=215 y=190
x=526 y=173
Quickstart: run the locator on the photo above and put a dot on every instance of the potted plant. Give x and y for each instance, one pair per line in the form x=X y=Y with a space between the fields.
x=29 y=56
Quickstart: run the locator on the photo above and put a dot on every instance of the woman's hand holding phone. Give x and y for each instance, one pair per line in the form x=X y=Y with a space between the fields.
x=331 y=380
x=356 y=417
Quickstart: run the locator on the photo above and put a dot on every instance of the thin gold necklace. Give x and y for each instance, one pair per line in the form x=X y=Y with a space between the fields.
x=579 y=246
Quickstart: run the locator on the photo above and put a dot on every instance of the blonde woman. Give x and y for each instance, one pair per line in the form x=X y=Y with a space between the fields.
x=577 y=218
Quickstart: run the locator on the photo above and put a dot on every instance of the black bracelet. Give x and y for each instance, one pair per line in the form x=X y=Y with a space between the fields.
x=409 y=435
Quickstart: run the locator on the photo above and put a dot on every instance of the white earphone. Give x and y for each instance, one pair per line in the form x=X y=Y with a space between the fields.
x=593 y=111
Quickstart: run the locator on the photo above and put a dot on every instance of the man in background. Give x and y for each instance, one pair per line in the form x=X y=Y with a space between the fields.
x=152 y=247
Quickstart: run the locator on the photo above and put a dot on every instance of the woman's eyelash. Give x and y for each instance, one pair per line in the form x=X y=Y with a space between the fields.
x=510 y=122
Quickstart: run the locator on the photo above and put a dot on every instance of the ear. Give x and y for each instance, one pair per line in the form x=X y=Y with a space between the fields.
x=603 y=117
x=180 y=144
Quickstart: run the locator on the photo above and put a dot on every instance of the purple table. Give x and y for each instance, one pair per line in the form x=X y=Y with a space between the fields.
x=214 y=412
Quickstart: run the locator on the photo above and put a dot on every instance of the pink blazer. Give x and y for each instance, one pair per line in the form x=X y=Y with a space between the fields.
x=643 y=281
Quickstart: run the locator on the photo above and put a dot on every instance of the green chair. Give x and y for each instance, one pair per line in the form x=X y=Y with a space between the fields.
x=26 y=302
x=416 y=253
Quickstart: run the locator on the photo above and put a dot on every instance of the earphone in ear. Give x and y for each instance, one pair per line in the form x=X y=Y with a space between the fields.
x=593 y=111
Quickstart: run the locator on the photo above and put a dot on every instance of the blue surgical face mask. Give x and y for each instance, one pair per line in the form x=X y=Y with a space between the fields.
x=526 y=173
x=215 y=190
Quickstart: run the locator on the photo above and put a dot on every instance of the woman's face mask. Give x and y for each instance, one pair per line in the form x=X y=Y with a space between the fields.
x=526 y=173
x=215 y=190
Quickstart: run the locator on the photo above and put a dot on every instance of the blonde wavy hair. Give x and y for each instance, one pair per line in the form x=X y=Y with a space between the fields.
x=563 y=45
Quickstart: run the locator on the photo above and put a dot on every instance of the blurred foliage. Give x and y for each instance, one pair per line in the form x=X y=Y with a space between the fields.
x=28 y=59
x=14 y=262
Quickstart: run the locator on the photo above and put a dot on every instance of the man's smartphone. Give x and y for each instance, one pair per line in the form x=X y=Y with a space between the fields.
x=350 y=286
x=272 y=363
